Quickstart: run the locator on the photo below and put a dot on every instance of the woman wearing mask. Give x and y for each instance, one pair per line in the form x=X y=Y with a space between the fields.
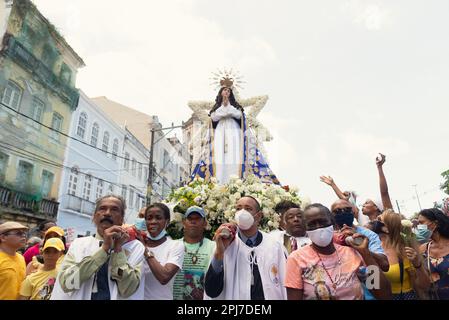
x=163 y=255
x=325 y=270
x=436 y=251
x=407 y=274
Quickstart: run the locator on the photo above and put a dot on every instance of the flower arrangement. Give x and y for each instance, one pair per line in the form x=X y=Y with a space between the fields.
x=219 y=201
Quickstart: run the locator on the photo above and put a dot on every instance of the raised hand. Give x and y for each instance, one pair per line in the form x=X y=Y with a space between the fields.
x=327 y=180
x=223 y=240
x=380 y=160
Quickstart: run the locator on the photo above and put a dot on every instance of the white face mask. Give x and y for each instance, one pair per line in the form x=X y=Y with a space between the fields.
x=322 y=237
x=245 y=220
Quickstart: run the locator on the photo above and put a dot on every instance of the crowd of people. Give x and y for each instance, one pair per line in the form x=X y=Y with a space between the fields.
x=318 y=253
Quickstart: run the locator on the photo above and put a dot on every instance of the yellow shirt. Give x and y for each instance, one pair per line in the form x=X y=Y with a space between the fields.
x=394 y=276
x=12 y=273
x=39 y=285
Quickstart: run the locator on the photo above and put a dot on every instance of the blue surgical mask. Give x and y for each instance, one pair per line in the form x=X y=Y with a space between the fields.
x=422 y=233
x=158 y=237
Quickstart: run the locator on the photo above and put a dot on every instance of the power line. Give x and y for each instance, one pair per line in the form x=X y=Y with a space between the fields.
x=59 y=165
x=85 y=143
x=68 y=136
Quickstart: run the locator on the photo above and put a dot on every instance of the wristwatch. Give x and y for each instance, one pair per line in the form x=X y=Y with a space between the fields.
x=148 y=254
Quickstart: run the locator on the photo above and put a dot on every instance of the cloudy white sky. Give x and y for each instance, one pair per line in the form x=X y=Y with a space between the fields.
x=346 y=79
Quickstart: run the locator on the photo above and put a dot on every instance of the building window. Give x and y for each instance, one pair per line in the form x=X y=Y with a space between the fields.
x=124 y=190
x=133 y=167
x=139 y=173
x=49 y=56
x=105 y=141
x=56 y=123
x=126 y=161
x=143 y=204
x=87 y=187
x=66 y=74
x=166 y=159
x=137 y=201
x=94 y=135
x=73 y=181
x=37 y=110
x=12 y=95
x=99 y=189
x=24 y=175
x=115 y=149
x=3 y=165
x=145 y=174
x=82 y=122
x=111 y=188
x=131 y=197
x=47 y=182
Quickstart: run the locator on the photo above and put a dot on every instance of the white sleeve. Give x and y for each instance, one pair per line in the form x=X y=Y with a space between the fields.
x=176 y=256
x=235 y=113
x=218 y=114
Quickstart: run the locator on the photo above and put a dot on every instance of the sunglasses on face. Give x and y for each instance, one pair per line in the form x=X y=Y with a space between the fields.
x=342 y=210
x=16 y=233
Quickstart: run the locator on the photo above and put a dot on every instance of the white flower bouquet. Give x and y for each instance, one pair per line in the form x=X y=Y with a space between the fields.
x=219 y=201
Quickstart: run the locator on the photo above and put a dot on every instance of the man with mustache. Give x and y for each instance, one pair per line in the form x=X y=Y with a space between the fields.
x=107 y=266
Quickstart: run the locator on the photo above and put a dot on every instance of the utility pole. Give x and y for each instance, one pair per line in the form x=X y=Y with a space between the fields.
x=399 y=208
x=150 y=170
x=417 y=197
x=150 y=163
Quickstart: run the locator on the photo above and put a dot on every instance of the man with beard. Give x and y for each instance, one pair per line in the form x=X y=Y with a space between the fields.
x=107 y=266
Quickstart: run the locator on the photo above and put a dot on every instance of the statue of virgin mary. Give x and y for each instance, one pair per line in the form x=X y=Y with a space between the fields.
x=229 y=147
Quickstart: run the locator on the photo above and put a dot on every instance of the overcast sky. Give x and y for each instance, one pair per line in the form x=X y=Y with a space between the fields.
x=346 y=79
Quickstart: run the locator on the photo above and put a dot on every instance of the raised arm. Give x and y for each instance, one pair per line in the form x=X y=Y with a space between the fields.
x=386 y=201
x=329 y=181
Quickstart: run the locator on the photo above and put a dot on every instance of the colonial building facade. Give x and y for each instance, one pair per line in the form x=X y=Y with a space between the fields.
x=37 y=98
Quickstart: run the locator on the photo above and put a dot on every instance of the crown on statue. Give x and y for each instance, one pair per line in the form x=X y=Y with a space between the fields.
x=227 y=78
x=227 y=82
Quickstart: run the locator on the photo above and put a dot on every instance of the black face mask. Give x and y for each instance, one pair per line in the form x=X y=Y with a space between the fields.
x=377 y=226
x=344 y=217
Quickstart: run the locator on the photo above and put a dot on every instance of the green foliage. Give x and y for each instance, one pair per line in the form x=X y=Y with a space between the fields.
x=445 y=185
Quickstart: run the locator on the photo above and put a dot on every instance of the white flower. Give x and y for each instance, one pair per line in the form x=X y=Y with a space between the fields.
x=197 y=200
x=270 y=223
x=406 y=223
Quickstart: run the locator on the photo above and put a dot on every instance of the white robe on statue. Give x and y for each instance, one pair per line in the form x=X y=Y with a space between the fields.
x=227 y=144
x=271 y=261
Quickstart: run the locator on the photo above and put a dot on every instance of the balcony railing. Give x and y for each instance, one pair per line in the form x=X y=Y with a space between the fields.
x=78 y=204
x=27 y=203
x=17 y=52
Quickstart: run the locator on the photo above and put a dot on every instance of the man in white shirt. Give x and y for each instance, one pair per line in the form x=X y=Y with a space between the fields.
x=107 y=266
x=249 y=266
x=293 y=233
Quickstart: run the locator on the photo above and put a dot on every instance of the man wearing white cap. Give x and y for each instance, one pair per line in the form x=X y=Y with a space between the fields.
x=12 y=265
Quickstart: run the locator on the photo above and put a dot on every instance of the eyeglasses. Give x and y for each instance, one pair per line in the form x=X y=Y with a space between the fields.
x=16 y=233
x=342 y=210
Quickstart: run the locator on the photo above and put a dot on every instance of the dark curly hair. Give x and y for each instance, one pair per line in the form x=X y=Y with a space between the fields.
x=441 y=220
x=285 y=205
x=219 y=101
x=165 y=210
